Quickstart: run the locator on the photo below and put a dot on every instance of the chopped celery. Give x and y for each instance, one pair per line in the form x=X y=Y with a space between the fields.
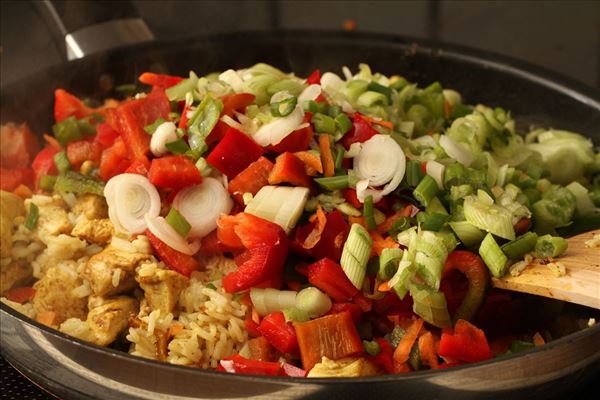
x=493 y=256
x=467 y=233
x=376 y=87
x=355 y=254
x=555 y=209
x=355 y=88
x=370 y=99
x=550 y=246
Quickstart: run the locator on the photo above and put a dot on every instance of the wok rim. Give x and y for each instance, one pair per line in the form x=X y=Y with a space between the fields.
x=506 y=65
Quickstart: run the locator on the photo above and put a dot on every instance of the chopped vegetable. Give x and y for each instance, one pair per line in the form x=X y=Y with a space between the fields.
x=234 y=153
x=331 y=279
x=32 y=217
x=355 y=255
x=314 y=302
x=279 y=332
x=279 y=204
x=464 y=343
x=493 y=256
x=550 y=246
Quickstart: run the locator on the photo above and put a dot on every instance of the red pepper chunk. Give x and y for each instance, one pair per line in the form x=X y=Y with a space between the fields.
x=105 y=135
x=175 y=260
x=289 y=169
x=11 y=178
x=465 y=343
x=279 y=333
x=20 y=294
x=330 y=278
x=299 y=140
x=67 y=105
x=174 y=172
x=353 y=309
x=314 y=78
x=332 y=336
x=139 y=167
x=234 y=153
x=245 y=366
x=231 y=104
x=250 y=180
x=160 y=80
x=43 y=163
x=331 y=242
x=265 y=247
x=83 y=150
x=114 y=160
x=360 y=132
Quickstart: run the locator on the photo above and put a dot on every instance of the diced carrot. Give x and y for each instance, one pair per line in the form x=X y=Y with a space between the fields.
x=380 y=122
x=380 y=243
x=315 y=235
x=538 y=340
x=312 y=162
x=406 y=343
x=23 y=191
x=326 y=156
x=386 y=225
x=47 y=318
x=427 y=350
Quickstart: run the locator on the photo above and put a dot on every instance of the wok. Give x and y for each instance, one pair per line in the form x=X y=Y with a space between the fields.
x=74 y=369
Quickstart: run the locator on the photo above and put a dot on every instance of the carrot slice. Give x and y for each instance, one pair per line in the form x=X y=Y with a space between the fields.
x=380 y=243
x=427 y=350
x=380 y=122
x=406 y=343
x=326 y=156
x=386 y=225
x=312 y=162
x=357 y=220
x=315 y=235
x=384 y=287
x=538 y=340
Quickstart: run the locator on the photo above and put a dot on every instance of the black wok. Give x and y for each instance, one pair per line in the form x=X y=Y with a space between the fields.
x=73 y=369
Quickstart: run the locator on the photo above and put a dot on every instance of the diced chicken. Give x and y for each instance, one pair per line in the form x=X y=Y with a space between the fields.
x=53 y=219
x=112 y=271
x=97 y=231
x=11 y=206
x=162 y=288
x=54 y=293
x=345 y=367
x=91 y=206
x=15 y=274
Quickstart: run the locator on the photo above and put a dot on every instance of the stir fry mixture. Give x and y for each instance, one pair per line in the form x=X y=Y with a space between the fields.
x=256 y=222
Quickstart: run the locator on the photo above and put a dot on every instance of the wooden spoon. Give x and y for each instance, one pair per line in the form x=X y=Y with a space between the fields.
x=580 y=285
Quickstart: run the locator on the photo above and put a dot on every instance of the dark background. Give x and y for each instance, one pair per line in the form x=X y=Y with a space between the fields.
x=562 y=35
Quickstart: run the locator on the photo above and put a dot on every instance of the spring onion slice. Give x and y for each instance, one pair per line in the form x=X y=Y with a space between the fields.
x=368 y=213
x=201 y=205
x=431 y=253
x=516 y=249
x=583 y=202
x=467 y=233
x=164 y=133
x=388 y=263
x=426 y=190
x=169 y=236
x=379 y=162
x=178 y=222
x=436 y=170
x=282 y=205
x=313 y=301
x=550 y=246
x=312 y=92
x=269 y=300
x=489 y=217
x=62 y=162
x=32 y=217
x=456 y=150
x=355 y=254
x=130 y=197
x=493 y=257
x=232 y=78
x=279 y=128
x=295 y=315
x=430 y=305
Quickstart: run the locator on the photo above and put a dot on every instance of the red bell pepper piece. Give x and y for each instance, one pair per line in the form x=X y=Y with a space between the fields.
x=332 y=336
x=11 y=178
x=260 y=349
x=289 y=169
x=355 y=311
x=360 y=132
x=162 y=81
x=231 y=104
x=234 y=153
x=314 y=78
x=19 y=146
x=175 y=260
x=279 y=333
x=352 y=198
x=174 y=172
x=332 y=239
x=43 y=163
x=251 y=327
x=240 y=365
x=265 y=245
x=385 y=358
x=114 y=160
x=478 y=276
x=105 y=135
x=330 y=278
x=251 y=179
x=130 y=118
x=20 y=294
x=140 y=167
x=465 y=343
x=67 y=105
x=298 y=140
x=82 y=150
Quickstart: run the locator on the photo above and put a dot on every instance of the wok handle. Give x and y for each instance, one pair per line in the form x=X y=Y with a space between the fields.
x=88 y=27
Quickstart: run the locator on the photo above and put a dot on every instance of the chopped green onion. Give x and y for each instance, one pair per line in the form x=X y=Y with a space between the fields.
x=467 y=233
x=370 y=99
x=493 y=256
x=74 y=182
x=313 y=301
x=348 y=209
x=203 y=121
x=426 y=190
x=204 y=168
x=373 y=266
x=284 y=107
x=151 y=128
x=414 y=173
x=398 y=84
x=355 y=254
x=343 y=123
x=376 y=87
x=32 y=217
x=286 y=85
x=47 y=182
x=434 y=221
x=355 y=88
x=388 y=263
x=179 y=146
x=550 y=246
x=323 y=123
x=584 y=204
x=295 y=314
x=430 y=305
x=339 y=157
x=314 y=107
x=399 y=225
x=178 y=91
x=516 y=249
x=518 y=346
x=178 y=222
x=436 y=206
x=371 y=347
x=268 y=300
x=62 y=162
x=489 y=217
x=334 y=111
x=67 y=131
x=454 y=174
x=368 y=213
x=211 y=286
x=333 y=182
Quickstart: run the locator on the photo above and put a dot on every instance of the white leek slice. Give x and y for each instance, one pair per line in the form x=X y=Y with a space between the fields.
x=282 y=205
x=269 y=300
x=280 y=96
x=355 y=254
x=201 y=205
x=456 y=150
x=436 y=171
x=130 y=197
x=489 y=217
x=165 y=133
x=279 y=128
x=169 y=236
x=310 y=93
x=331 y=83
x=379 y=162
x=233 y=79
x=426 y=140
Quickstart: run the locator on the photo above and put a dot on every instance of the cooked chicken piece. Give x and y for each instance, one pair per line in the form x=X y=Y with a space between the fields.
x=15 y=274
x=97 y=231
x=11 y=206
x=92 y=206
x=109 y=320
x=112 y=271
x=162 y=288
x=54 y=293
x=346 y=367
x=53 y=219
